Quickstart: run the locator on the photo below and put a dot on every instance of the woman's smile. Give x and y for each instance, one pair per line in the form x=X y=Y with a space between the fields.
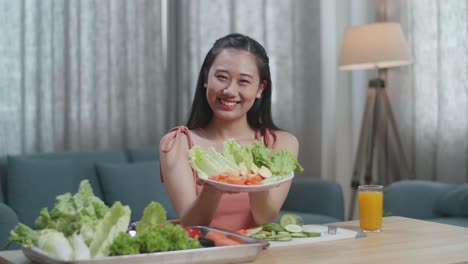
x=227 y=104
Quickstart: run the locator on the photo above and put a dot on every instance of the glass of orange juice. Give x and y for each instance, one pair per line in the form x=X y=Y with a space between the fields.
x=370 y=207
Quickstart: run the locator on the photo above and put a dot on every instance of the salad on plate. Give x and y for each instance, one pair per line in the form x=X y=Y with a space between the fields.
x=243 y=168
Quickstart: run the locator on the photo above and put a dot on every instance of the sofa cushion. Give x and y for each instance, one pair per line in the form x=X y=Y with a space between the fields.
x=3 y=174
x=86 y=161
x=143 y=154
x=453 y=202
x=310 y=218
x=34 y=184
x=134 y=184
x=458 y=221
x=8 y=221
x=414 y=198
x=315 y=196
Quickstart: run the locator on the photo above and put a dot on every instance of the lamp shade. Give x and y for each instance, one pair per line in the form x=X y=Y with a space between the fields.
x=377 y=45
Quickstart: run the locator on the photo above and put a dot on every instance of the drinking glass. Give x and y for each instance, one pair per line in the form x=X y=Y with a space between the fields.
x=370 y=207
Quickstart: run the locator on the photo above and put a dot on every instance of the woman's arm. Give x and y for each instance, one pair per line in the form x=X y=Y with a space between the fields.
x=180 y=185
x=266 y=205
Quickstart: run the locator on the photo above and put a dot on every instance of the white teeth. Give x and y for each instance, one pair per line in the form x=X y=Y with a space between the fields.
x=227 y=103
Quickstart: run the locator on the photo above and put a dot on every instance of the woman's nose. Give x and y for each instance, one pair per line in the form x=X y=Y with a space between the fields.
x=230 y=89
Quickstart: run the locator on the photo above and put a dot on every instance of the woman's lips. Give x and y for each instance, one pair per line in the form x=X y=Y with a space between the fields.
x=227 y=105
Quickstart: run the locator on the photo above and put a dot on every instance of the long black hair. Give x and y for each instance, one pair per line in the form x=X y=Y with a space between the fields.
x=259 y=116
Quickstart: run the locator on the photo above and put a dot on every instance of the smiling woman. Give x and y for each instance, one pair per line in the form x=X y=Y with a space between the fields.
x=232 y=101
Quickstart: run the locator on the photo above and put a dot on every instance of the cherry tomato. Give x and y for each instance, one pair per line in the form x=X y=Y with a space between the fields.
x=192 y=232
x=195 y=233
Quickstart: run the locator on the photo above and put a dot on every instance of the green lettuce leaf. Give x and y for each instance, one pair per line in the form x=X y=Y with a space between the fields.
x=153 y=214
x=124 y=244
x=284 y=162
x=24 y=235
x=237 y=153
x=74 y=213
x=80 y=249
x=115 y=221
x=55 y=244
x=261 y=154
x=210 y=162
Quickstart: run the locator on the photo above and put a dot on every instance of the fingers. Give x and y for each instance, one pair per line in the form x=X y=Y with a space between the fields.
x=200 y=182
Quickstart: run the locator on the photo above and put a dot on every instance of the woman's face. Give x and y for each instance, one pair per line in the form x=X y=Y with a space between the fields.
x=233 y=83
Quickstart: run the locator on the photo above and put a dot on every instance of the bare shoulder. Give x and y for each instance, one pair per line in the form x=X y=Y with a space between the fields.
x=286 y=140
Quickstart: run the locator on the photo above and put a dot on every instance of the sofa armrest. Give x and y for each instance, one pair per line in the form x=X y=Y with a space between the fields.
x=414 y=198
x=8 y=220
x=315 y=196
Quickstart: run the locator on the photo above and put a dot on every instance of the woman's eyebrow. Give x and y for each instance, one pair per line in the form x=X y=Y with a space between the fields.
x=227 y=72
x=247 y=75
x=221 y=71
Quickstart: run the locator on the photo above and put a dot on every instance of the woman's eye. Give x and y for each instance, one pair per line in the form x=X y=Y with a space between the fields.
x=221 y=77
x=244 y=82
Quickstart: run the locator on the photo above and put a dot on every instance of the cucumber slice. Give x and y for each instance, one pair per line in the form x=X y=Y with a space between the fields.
x=273 y=227
x=293 y=228
x=288 y=219
x=259 y=236
x=254 y=231
x=284 y=239
x=298 y=234
x=279 y=238
x=312 y=234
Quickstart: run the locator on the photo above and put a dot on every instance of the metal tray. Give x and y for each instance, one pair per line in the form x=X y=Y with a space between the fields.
x=226 y=254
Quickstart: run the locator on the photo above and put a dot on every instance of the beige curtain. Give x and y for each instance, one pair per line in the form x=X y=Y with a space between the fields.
x=81 y=75
x=343 y=93
x=430 y=98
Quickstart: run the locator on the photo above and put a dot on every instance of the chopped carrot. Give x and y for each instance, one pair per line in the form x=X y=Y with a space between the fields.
x=241 y=231
x=236 y=180
x=256 y=178
x=236 y=238
x=220 y=239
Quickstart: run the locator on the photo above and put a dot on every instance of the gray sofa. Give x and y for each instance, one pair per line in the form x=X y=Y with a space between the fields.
x=31 y=182
x=428 y=200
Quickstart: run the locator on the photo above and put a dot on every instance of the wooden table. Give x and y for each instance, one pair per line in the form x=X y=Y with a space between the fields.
x=403 y=240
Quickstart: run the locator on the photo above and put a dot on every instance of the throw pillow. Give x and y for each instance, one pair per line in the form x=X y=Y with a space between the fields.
x=144 y=154
x=134 y=184
x=34 y=184
x=454 y=202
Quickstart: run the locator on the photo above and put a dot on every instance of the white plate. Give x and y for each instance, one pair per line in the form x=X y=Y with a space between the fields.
x=227 y=187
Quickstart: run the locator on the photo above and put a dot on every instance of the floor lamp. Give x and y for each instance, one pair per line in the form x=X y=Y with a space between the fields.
x=374 y=46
